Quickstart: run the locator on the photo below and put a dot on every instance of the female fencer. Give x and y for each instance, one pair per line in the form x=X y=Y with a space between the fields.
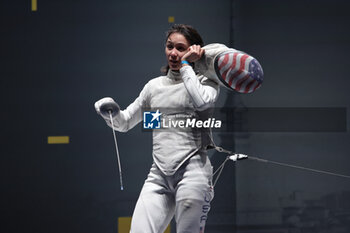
x=179 y=182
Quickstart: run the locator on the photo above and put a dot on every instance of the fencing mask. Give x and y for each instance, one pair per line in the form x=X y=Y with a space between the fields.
x=231 y=68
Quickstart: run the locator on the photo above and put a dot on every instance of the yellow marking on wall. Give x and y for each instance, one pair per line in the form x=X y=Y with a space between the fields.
x=124 y=224
x=171 y=19
x=57 y=139
x=34 y=5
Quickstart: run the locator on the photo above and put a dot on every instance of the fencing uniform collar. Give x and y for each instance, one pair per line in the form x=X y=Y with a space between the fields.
x=174 y=76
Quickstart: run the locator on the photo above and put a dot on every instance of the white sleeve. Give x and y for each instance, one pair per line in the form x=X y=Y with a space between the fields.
x=203 y=93
x=132 y=115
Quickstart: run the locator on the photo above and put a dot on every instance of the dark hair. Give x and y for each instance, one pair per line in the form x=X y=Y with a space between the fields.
x=191 y=35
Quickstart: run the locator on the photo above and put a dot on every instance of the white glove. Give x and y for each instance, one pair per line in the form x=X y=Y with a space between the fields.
x=106 y=106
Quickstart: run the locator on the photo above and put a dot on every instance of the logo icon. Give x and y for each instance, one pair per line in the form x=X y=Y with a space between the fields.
x=151 y=120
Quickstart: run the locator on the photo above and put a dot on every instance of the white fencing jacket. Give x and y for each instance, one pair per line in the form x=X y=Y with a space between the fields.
x=176 y=95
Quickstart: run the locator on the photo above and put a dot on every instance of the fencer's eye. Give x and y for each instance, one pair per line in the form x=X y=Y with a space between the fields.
x=181 y=48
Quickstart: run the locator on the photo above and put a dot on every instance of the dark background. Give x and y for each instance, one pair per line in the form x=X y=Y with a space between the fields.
x=56 y=62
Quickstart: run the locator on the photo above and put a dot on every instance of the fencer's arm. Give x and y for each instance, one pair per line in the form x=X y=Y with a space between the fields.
x=126 y=119
x=202 y=95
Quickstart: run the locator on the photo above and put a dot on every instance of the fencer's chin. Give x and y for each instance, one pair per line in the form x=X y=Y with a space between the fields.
x=175 y=70
x=174 y=67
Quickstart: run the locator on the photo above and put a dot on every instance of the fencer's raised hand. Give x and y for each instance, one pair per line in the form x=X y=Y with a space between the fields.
x=107 y=106
x=194 y=53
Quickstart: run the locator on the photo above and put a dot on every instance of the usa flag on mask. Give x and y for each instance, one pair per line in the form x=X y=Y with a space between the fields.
x=239 y=71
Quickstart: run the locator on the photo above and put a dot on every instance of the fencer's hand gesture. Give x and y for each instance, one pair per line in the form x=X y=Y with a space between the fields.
x=106 y=106
x=194 y=53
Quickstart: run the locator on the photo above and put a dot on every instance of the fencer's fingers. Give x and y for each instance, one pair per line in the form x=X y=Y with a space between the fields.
x=193 y=54
x=199 y=51
x=192 y=50
x=186 y=54
x=196 y=48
